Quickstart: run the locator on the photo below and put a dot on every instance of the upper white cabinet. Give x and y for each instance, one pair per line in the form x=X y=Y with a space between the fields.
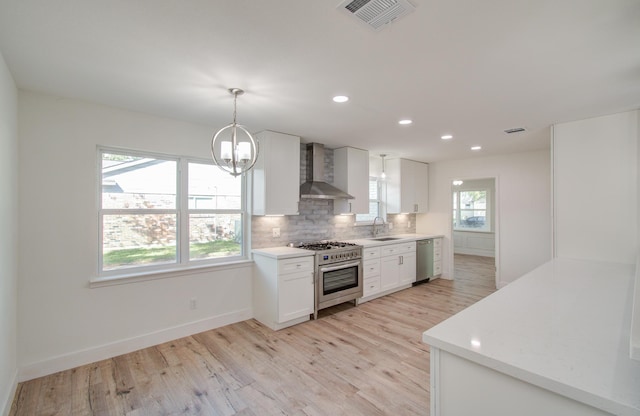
x=351 y=174
x=276 y=175
x=407 y=186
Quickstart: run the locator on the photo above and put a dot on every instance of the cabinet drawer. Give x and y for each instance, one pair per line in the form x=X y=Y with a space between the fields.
x=299 y=264
x=394 y=249
x=371 y=286
x=437 y=254
x=371 y=268
x=437 y=268
x=370 y=252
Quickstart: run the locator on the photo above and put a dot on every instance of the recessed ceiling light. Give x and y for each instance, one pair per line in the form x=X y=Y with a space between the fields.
x=405 y=121
x=446 y=137
x=476 y=148
x=340 y=99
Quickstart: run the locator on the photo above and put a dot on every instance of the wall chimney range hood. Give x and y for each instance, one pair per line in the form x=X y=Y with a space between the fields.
x=315 y=187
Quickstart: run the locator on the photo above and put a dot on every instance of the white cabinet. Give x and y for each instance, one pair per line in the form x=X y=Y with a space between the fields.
x=283 y=290
x=397 y=265
x=351 y=174
x=371 y=271
x=276 y=175
x=407 y=186
x=437 y=257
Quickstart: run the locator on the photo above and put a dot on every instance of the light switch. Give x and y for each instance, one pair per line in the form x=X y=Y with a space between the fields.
x=276 y=232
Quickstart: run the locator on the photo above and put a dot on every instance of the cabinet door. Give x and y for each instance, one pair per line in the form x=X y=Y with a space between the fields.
x=408 y=268
x=407 y=186
x=351 y=174
x=389 y=272
x=276 y=185
x=295 y=296
x=421 y=186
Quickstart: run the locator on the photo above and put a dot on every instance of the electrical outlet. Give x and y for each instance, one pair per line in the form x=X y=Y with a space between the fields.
x=193 y=303
x=408 y=224
x=391 y=226
x=276 y=232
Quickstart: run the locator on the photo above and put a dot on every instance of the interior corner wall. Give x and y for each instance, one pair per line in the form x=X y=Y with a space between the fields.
x=8 y=237
x=62 y=322
x=596 y=188
x=523 y=203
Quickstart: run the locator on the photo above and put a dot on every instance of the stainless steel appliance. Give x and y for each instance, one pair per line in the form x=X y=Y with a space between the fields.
x=424 y=261
x=338 y=273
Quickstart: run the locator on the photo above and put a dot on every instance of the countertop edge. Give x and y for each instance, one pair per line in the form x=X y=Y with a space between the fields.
x=634 y=347
x=534 y=379
x=539 y=379
x=399 y=239
x=282 y=252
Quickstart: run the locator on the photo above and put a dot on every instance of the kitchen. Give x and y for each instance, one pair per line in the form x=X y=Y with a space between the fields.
x=51 y=299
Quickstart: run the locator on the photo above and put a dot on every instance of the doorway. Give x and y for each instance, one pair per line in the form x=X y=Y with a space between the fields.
x=475 y=230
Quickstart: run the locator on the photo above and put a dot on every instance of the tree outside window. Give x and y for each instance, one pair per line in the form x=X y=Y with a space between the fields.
x=159 y=212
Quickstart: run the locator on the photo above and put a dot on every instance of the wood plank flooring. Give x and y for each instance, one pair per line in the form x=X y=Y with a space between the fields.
x=364 y=360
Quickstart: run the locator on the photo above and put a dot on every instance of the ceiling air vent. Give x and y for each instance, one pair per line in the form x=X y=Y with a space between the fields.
x=516 y=130
x=376 y=13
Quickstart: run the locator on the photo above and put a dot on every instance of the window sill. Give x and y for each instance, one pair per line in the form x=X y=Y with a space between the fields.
x=126 y=278
x=465 y=230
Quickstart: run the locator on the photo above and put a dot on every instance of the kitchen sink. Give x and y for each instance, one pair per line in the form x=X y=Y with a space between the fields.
x=384 y=238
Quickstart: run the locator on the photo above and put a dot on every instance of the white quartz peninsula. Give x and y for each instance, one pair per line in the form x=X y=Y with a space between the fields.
x=554 y=342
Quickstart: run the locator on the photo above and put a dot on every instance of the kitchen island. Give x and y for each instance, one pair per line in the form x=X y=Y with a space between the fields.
x=555 y=341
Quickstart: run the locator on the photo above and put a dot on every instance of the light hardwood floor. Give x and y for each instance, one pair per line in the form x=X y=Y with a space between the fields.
x=364 y=360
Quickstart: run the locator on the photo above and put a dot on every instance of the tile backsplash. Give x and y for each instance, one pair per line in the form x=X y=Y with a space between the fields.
x=316 y=220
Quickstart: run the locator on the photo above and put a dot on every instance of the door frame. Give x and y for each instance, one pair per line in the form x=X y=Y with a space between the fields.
x=496 y=222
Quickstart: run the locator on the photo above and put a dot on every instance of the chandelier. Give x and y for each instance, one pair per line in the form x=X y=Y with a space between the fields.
x=233 y=148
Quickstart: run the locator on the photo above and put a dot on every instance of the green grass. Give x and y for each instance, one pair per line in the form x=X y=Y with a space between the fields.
x=143 y=255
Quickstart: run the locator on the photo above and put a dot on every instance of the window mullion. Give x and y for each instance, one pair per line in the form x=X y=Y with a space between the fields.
x=183 y=212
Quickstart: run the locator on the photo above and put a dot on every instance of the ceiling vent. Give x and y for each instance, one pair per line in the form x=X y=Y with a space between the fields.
x=516 y=130
x=376 y=13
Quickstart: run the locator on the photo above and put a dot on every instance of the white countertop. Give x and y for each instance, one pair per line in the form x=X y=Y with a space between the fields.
x=398 y=238
x=564 y=327
x=285 y=252
x=282 y=252
x=635 y=319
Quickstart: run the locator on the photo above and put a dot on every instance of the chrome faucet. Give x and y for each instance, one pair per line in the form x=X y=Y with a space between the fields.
x=375 y=230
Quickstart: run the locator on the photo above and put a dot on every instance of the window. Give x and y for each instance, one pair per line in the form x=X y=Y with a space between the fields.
x=159 y=212
x=470 y=210
x=374 y=202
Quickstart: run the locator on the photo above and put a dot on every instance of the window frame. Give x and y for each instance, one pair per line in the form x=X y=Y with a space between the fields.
x=182 y=213
x=379 y=202
x=457 y=210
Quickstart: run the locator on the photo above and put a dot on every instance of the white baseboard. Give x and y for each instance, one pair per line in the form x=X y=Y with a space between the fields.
x=7 y=401
x=102 y=352
x=474 y=252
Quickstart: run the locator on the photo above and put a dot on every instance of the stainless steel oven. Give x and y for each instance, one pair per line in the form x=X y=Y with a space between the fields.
x=338 y=273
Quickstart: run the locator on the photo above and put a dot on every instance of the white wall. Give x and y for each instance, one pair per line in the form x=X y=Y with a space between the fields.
x=523 y=206
x=61 y=321
x=8 y=236
x=596 y=188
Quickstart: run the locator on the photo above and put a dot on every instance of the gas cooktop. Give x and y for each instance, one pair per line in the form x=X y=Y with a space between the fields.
x=325 y=245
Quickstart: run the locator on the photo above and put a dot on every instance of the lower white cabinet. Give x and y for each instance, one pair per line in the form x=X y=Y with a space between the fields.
x=388 y=268
x=370 y=271
x=397 y=264
x=283 y=290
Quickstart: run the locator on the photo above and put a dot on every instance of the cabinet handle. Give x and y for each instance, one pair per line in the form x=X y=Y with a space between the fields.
x=415 y=207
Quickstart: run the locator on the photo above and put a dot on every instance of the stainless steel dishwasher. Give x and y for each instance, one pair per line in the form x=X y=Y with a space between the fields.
x=424 y=261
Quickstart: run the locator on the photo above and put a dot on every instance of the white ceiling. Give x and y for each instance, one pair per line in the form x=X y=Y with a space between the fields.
x=465 y=67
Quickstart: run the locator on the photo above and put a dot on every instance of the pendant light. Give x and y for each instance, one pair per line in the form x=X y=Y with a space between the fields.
x=233 y=148
x=383 y=175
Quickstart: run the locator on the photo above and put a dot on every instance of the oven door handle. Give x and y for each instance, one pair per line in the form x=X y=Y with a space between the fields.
x=341 y=266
